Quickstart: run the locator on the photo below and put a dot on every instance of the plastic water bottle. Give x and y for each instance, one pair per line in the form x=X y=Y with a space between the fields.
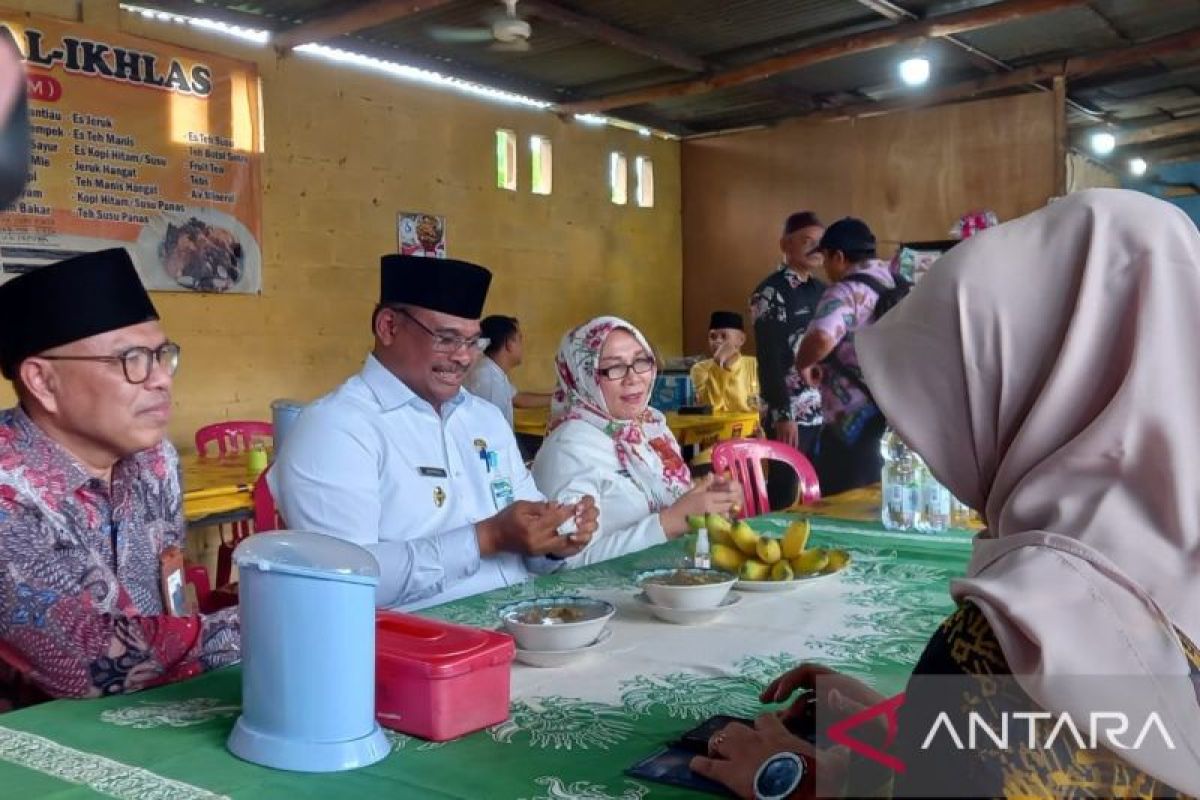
x=960 y=514
x=701 y=559
x=901 y=483
x=935 y=504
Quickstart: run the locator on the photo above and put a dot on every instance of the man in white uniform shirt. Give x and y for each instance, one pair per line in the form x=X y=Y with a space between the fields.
x=488 y=377
x=424 y=475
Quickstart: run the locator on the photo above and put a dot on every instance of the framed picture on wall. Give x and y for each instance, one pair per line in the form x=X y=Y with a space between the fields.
x=422 y=234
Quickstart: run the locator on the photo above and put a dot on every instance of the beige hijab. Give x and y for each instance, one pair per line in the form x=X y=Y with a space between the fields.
x=1047 y=371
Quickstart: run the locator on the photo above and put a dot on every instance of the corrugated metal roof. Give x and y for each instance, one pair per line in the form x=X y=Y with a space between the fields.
x=566 y=64
x=1070 y=30
x=713 y=27
x=1147 y=19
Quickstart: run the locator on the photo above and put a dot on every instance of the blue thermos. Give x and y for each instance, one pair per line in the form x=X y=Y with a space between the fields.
x=308 y=653
x=283 y=416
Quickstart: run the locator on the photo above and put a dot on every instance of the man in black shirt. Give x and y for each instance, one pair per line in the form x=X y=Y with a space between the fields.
x=781 y=307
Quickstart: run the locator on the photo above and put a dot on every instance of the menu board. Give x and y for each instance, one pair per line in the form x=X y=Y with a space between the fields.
x=142 y=145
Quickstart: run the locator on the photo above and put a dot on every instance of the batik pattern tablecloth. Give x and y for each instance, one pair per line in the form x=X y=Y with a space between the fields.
x=572 y=730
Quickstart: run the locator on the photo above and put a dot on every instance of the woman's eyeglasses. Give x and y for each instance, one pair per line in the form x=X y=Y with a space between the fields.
x=618 y=372
x=446 y=342
x=136 y=362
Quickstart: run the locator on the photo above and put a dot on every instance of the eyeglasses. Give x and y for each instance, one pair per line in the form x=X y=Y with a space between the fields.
x=616 y=372
x=446 y=342
x=136 y=362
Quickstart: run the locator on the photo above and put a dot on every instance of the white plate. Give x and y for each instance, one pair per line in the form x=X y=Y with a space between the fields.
x=558 y=658
x=689 y=616
x=781 y=586
x=150 y=256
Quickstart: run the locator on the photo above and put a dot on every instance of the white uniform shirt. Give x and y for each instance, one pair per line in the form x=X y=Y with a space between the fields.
x=578 y=458
x=376 y=465
x=487 y=380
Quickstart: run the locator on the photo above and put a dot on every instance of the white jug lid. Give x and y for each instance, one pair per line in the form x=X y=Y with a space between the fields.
x=313 y=555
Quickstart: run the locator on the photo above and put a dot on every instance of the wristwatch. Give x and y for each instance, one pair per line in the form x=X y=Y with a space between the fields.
x=778 y=777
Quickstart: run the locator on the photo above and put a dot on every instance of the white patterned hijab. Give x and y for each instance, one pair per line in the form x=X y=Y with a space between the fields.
x=1046 y=370
x=645 y=446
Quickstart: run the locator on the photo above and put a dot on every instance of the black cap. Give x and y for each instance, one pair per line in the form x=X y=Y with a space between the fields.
x=68 y=301
x=726 y=319
x=800 y=219
x=458 y=288
x=849 y=235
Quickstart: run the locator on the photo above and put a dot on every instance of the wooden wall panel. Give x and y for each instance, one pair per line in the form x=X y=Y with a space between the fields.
x=909 y=175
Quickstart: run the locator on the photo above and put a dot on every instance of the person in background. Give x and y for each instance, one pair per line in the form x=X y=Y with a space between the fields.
x=14 y=124
x=426 y=476
x=782 y=307
x=729 y=380
x=91 y=522
x=488 y=377
x=606 y=441
x=849 y=452
x=1006 y=373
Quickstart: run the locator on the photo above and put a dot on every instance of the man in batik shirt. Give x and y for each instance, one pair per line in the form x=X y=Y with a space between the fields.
x=827 y=358
x=91 y=523
x=782 y=307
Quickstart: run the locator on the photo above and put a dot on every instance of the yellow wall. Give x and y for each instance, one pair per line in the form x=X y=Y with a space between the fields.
x=345 y=151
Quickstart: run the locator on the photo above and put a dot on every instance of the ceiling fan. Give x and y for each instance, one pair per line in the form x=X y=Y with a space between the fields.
x=506 y=32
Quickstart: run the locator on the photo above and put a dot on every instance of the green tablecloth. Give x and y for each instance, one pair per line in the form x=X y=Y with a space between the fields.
x=572 y=730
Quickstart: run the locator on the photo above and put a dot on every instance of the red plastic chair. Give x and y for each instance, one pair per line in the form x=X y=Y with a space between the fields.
x=197 y=576
x=232 y=437
x=225 y=593
x=744 y=457
x=266 y=516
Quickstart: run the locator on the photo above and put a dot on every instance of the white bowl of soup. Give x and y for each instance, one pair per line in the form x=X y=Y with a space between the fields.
x=686 y=588
x=556 y=623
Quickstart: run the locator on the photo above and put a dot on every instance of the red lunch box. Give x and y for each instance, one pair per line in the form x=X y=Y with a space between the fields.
x=438 y=680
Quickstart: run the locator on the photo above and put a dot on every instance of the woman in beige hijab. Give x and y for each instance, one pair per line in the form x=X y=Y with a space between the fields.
x=1046 y=371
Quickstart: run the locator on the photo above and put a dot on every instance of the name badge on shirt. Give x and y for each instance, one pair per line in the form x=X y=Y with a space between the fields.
x=502 y=493
x=432 y=472
x=175 y=599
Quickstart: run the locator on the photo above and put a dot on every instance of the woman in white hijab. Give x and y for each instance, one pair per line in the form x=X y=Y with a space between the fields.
x=1046 y=371
x=605 y=440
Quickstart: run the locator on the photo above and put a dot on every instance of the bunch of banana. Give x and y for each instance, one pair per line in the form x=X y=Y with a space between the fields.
x=752 y=557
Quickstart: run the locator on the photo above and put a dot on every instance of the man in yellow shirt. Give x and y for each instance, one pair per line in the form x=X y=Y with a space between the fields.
x=729 y=380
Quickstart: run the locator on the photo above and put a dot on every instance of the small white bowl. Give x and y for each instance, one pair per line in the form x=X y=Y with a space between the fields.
x=560 y=658
x=688 y=616
x=540 y=625
x=689 y=596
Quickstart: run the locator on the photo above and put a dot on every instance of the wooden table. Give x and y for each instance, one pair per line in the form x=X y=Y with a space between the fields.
x=691 y=430
x=216 y=490
x=865 y=505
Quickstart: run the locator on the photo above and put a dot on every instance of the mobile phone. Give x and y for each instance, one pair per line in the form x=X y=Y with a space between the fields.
x=672 y=766
x=696 y=740
x=803 y=725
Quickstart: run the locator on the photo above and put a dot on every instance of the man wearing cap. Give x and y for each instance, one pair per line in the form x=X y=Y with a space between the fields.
x=403 y=461
x=91 y=522
x=729 y=380
x=782 y=307
x=849 y=455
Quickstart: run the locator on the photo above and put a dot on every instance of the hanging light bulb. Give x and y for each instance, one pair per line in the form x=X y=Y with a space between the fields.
x=1103 y=143
x=914 y=71
x=1137 y=167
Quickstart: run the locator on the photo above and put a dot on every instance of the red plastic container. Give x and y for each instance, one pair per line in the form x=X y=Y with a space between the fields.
x=437 y=680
